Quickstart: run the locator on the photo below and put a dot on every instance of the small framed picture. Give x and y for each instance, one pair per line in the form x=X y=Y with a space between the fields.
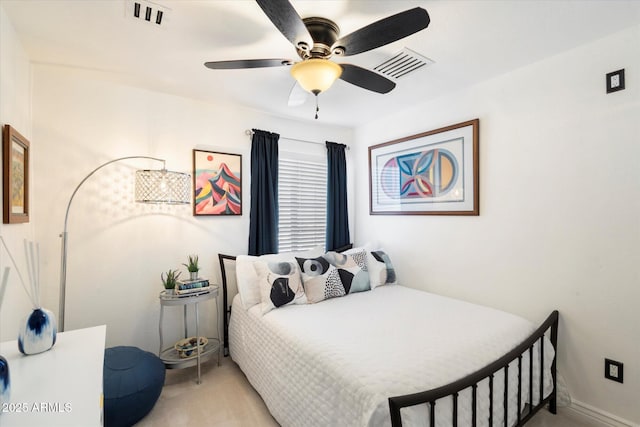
x=217 y=183
x=15 y=179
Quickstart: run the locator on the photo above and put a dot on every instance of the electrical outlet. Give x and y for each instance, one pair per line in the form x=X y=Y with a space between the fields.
x=613 y=370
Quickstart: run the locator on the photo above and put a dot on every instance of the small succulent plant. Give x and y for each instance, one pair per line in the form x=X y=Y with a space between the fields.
x=192 y=266
x=169 y=281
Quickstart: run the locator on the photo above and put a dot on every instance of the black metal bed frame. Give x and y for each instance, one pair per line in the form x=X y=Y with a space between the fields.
x=225 y=300
x=430 y=397
x=452 y=390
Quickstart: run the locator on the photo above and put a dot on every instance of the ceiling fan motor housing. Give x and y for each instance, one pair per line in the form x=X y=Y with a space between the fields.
x=324 y=33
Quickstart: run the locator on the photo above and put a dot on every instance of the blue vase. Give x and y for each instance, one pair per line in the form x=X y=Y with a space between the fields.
x=5 y=381
x=39 y=332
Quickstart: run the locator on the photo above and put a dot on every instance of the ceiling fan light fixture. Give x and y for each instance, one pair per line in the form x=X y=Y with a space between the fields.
x=316 y=75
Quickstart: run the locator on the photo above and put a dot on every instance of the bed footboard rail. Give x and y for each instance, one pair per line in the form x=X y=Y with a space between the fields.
x=452 y=390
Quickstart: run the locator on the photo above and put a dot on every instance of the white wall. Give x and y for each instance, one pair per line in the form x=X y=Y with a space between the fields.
x=559 y=224
x=117 y=249
x=15 y=110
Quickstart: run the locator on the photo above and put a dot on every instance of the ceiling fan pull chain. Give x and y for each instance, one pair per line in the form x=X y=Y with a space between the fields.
x=317 y=109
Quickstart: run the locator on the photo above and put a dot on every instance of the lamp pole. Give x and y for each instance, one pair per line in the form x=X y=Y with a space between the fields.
x=63 y=260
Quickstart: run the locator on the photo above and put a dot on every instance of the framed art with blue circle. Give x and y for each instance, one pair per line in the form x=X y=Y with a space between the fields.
x=431 y=173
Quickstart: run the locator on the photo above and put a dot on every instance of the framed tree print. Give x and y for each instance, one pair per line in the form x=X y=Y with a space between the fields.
x=431 y=173
x=217 y=183
x=15 y=176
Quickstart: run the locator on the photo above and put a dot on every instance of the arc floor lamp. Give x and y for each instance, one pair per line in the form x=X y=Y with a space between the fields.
x=152 y=186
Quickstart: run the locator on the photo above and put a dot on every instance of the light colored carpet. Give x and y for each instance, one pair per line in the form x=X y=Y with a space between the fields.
x=225 y=398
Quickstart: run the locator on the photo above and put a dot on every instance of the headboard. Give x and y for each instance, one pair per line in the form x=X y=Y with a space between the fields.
x=229 y=290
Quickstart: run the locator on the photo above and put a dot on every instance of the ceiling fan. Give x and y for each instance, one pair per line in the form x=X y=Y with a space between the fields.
x=318 y=39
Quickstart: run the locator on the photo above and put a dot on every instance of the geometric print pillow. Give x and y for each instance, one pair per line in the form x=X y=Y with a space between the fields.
x=352 y=269
x=321 y=280
x=280 y=284
x=381 y=271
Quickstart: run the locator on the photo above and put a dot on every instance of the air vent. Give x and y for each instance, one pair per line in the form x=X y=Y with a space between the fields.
x=147 y=12
x=403 y=63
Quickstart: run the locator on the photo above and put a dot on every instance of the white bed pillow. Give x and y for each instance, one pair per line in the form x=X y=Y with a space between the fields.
x=381 y=270
x=247 y=276
x=280 y=284
x=247 y=280
x=352 y=269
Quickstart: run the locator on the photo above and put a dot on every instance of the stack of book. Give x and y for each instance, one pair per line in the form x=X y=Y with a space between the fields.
x=191 y=286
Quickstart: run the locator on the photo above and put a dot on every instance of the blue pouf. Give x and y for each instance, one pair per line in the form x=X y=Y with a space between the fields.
x=133 y=380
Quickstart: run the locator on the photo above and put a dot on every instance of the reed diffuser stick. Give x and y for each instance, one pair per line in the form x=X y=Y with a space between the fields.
x=24 y=286
x=32 y=264
x=27 y=256
x=3 y=285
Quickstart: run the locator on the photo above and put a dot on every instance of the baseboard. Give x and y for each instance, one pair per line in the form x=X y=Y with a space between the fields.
x=600 y=415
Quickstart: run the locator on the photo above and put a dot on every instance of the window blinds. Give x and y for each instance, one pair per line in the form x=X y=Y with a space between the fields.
x=302 y=200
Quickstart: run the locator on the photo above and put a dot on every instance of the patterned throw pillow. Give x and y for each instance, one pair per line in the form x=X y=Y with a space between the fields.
x=247 y=276
x=320 y=279
x=352 y=269
x=279 y=284
x=381 y=271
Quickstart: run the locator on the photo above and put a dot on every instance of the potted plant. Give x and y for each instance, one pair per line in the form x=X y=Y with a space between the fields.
x=192 y=267
x=169 y=282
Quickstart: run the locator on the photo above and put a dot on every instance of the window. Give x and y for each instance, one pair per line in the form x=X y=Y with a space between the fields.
x=302 y=201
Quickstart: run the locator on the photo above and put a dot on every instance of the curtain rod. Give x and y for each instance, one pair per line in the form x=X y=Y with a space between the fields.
x=249 y=132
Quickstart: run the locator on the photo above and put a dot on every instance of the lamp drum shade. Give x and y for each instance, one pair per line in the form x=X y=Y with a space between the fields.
x=163 y=186
x=316 y=75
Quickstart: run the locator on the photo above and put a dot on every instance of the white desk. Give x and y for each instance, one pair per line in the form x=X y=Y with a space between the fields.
x=60 y=387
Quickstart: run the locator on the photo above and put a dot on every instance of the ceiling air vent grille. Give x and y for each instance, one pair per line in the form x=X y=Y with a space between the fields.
x=402 y=63
x=146 y=11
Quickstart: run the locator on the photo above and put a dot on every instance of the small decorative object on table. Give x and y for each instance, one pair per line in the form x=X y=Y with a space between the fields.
x=5 y=380
x=39 y=331
x=191 y=286
x=193 y=267
x=169 y=282
x=186 y=347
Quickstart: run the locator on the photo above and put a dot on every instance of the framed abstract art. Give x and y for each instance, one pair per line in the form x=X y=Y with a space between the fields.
x=431 y=173
x=217 y=183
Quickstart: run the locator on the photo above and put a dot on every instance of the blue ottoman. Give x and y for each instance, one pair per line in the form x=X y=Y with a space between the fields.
x=132 y=382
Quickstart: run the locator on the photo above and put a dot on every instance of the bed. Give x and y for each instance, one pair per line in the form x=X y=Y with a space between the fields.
x=391 y=356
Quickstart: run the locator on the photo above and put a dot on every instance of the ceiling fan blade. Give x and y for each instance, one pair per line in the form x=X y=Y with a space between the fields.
x=286 y=19
x=297 y=96
x=384 y=31
x=247 y=63
x=366 y=79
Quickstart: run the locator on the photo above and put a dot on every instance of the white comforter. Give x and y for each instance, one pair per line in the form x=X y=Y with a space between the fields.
x=335 y=363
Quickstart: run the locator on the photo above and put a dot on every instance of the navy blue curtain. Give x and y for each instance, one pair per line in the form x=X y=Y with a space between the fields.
x=263 y=220
x=337 y=215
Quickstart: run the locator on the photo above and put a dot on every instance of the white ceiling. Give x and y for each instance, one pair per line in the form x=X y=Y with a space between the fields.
x=469 y=40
